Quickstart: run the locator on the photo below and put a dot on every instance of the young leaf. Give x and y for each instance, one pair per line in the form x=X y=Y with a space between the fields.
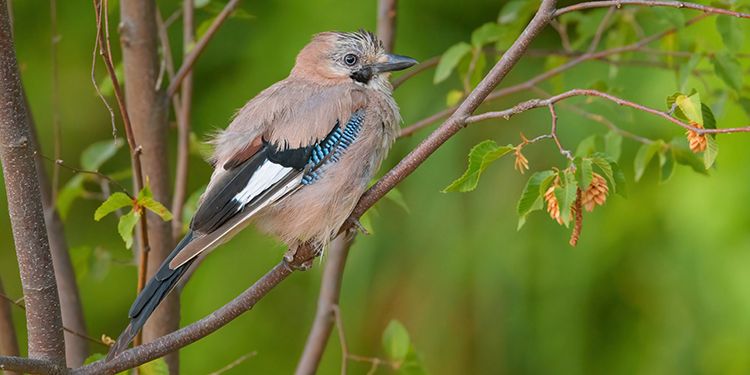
x=531 y=196
x=566 y=195
x=729 y=70
x=666 y=164
x=98 y=153
x=396 y=341
x=712 y=150
x=480 y=157
x=154 y=206
x=450 y=60
x=113 y=203
x=683 y=155
x=488 y=33
x=613 y=145
x=709 y=120
x=126 y=225
x=691 y=107
x=587 y=146
x=612 y=173
x=731 y=32
x=584 y=172
x=644 y=156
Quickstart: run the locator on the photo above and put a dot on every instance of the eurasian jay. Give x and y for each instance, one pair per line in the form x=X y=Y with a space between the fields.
x=294 y=160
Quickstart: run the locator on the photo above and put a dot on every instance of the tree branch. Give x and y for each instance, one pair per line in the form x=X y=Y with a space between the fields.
x=43 y=320
x=190 y=59
x=387 y=23
x=649 y=3
x=31 y=366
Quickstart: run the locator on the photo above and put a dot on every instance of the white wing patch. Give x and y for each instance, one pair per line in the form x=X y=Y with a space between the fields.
x=266 y=176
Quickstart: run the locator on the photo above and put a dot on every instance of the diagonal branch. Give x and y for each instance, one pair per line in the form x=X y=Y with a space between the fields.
x=649 y=3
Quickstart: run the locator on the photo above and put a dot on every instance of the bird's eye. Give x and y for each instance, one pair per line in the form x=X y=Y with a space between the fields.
x=350 y=59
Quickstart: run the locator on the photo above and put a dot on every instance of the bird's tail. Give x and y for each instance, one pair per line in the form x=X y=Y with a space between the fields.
x=150 y=297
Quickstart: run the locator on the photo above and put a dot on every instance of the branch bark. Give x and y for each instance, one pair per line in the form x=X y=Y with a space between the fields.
x=31 y=366
x=8 y=340
x=147 y=108
x=44 y=322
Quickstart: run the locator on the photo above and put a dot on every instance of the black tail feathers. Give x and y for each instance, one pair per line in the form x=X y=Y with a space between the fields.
x=150 y=297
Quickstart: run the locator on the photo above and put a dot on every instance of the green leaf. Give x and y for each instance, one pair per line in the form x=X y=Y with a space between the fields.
x=113 y=203
x=729 y=70
x=512 y=11
x=709 y=120
x=155 y=367
x=686 y=70
x=644 y=156
x=478 y=73
x=613 y=145
x=396 y=341
x=531 y=196
x=154 y=206
x=731 y=32
x=480 y=157
x=449 y=60
x=584 y=171
x=126 y=225
x=712 y=150
x=95 y=155
x=200 y=3
x=453 y=97
x=395 y=196
x=201 y=30
x=691 y=107
x=672 y=16
x=587 y=146
x=666 y=165
x=488 y=33
x=612 y=172
x=683 y=155
x=566 y=195
x=72 y=190
x=619 y=180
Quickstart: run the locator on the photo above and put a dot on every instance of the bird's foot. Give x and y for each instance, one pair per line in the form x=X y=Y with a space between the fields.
x=302 y=256
x=358 y=225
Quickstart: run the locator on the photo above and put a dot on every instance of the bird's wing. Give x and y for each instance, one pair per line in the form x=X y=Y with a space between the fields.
x=259 y=175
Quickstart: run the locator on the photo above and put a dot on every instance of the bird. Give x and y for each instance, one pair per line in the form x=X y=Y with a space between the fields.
x=294 y=160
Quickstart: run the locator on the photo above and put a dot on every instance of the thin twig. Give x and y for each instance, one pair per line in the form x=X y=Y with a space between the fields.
x=190 y=59
x=421 y=67
x=562 y=31
x=600 y=30
x=649 y=3
x=553 y=132
x=234 y=363
x=102 y=176
x=56 y=130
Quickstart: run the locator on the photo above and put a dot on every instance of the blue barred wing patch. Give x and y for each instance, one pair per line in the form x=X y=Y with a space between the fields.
x=330 y=149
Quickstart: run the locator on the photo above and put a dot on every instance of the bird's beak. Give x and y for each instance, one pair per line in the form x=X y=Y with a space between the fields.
x=393 y=63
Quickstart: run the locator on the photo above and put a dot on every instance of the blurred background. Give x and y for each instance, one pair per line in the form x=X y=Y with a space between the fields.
x=658 y=284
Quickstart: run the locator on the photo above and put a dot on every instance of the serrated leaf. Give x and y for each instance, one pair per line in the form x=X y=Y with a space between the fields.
x=691 y=107
x=587 y=146
x=96 y=154
x=731 y=32
x=712 y=150
x=480 y=157
x=684 y=156
x=619 y=184
x=154 y=206
x=113 y=203
x=584 y=172
x=644 y=156
x=729 y=70
x=613 y=145
x=666 y=165
x=531 y=196
x=396 y=341
x=155 y=367
x=566 y=195
x=126 y=225
x=612 y=172
x=488 y=33
x=453 y=97
x=449 y=60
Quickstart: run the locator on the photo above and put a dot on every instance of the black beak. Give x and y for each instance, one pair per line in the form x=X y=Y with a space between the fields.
x=394 y=63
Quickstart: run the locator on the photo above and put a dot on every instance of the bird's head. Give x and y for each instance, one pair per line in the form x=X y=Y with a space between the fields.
x=340 y=57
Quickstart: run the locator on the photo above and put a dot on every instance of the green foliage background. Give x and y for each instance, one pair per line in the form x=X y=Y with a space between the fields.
x=659 y=282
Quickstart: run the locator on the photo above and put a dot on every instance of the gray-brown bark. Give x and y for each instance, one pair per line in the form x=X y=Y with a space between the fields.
x=147 y=108
x=8 y=339
x=43 y=320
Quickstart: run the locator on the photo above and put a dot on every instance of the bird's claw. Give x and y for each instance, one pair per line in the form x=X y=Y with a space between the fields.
x=358 y=225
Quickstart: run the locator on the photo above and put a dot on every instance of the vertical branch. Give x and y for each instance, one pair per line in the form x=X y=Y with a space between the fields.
x=57 y=133
x=330 y=287
x=147 y=107
x=43 y=320
x=183 y=123
x=8 y=340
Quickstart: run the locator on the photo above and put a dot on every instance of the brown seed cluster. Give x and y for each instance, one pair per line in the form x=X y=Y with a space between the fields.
x=697 y=142
x=596 y=193
x=521 y=164
x=553 y=206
